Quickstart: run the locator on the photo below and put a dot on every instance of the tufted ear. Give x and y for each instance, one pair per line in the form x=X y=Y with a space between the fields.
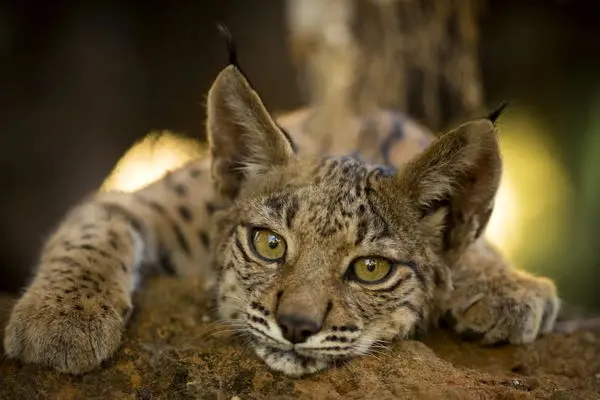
x=494 y=115
x=242 y=136
x=452 y=184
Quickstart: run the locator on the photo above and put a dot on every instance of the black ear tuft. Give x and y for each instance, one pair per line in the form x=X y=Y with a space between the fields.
x=232 y=50
x=494 y=115
x=230 y=43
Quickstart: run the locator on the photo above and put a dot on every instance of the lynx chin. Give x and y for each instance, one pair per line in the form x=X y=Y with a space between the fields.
x=316 y=254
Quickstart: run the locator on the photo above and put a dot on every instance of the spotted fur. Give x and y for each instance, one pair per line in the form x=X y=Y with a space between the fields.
x=387 y=189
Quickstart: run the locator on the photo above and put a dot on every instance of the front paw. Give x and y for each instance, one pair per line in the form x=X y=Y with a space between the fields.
x=513 y=308
x=70 y=334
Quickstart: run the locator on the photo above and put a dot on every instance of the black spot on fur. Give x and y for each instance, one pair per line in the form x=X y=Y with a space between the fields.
x=204 y=239
x=361 y=232
x=85 y=276
x=291 y=211
x=181 y=239
x=211 y=208
x=71 y=262
x=180 y=189
x=331 y=169
x=336 y=348
x=276 y=204
x=185 y=213
x=95 y=250
x=165 y=262
x=113 y=244
x=156 y=207
x=115 y=209
x=307 y=362
x=263 y=310
x=349 y=328
x=259 y=320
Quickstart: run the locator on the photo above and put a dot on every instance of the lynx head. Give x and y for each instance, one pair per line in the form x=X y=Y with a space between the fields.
x=322 y=259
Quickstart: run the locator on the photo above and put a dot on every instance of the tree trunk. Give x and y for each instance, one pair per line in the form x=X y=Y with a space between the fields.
x=419 y=56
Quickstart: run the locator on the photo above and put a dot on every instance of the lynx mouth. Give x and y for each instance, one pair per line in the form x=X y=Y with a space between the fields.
x=290 y=362
x=299 y=359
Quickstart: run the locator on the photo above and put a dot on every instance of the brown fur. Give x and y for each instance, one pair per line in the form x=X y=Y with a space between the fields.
x=426 y=215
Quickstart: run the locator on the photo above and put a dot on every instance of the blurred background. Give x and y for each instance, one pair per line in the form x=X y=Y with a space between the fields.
x=83 y=82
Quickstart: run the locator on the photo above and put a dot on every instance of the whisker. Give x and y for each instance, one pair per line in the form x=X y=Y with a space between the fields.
x=228 y=296
x=218 y=309
x=222 y=327
x=224 y=323
x=348 y=364
x=226 y=327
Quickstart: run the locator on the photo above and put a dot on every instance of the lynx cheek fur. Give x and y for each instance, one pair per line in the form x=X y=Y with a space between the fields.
x=316 y=257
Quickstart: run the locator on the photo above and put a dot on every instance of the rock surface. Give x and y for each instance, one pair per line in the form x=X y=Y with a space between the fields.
x=173 y=351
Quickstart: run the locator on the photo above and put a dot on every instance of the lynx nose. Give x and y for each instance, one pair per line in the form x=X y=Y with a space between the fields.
x=297 y=328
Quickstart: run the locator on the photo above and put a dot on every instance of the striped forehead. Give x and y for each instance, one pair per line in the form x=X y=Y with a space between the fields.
x=335 y=201
x=341 y=170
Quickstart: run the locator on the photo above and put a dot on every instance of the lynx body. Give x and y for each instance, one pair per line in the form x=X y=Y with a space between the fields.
x=317 y=253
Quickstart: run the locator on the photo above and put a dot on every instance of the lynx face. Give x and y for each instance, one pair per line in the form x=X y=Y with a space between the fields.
x=321 y=259
x=317 y=270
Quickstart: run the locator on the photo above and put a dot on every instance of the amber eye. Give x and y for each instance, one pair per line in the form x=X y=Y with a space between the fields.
x=268 y=245
x=371 y=269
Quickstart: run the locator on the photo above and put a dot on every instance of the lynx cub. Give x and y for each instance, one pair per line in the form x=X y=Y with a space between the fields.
x=318 y=256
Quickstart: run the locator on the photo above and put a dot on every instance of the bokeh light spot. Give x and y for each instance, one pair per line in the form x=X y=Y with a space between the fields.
x=151 y=158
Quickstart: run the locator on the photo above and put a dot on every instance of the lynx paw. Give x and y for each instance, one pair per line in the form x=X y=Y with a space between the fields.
x=71 y=336
x=512 y=308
